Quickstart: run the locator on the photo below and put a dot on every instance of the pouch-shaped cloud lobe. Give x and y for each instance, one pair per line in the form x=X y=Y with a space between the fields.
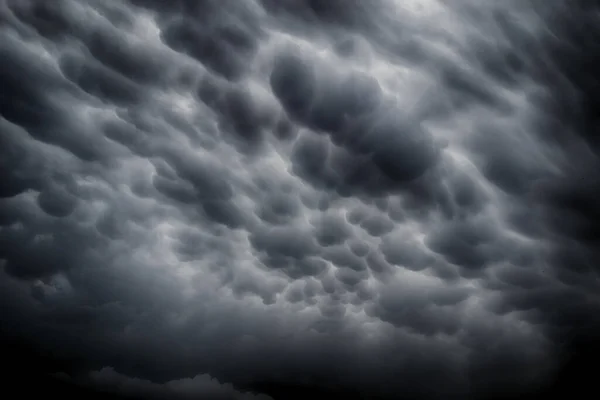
x=269 y=199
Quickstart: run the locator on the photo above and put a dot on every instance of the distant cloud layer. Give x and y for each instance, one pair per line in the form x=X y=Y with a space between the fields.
x=219 y=197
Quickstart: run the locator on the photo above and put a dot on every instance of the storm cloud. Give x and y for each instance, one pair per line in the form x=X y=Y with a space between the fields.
x=264 y=199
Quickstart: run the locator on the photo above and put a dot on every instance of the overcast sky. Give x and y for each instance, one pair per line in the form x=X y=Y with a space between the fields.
x=262 y=199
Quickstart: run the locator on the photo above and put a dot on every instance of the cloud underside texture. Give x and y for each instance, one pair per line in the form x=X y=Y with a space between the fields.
x=216 y=198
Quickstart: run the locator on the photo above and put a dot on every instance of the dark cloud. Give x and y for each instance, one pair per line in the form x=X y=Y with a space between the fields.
x=110 y=381
x=292 y=199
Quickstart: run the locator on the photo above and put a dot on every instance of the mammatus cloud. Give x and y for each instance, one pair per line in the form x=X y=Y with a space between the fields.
x=265 y=199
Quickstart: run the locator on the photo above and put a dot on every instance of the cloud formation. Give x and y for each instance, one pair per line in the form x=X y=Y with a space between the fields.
x=260 y=199
x=200 y=386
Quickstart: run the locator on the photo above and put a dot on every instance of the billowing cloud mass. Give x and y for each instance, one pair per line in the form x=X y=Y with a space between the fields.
x=262 y=199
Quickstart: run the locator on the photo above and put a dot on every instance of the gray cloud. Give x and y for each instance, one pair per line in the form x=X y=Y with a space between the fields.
x=300 y=198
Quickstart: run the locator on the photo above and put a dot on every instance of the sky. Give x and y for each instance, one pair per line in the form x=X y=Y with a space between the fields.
x=293 y=199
